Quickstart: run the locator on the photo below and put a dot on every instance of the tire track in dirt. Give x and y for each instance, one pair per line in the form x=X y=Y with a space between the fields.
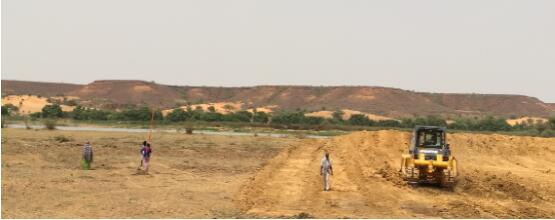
x=366 y=183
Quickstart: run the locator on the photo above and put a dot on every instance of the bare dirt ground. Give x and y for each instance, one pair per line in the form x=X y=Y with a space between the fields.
x=501 y=177
x=228 y=176
x=191 y=176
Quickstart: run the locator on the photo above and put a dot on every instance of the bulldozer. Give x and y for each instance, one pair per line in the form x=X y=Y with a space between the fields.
x=429 y=158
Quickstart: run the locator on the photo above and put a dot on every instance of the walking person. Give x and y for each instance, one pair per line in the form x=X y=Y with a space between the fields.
x=87 y=156
x=326 y=170
x=141 y=163
x=145 y=152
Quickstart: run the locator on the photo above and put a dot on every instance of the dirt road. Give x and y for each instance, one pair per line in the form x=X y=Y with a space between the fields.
x=501 y=176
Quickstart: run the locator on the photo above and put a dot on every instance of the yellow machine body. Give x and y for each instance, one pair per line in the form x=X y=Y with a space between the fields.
x=438 y=166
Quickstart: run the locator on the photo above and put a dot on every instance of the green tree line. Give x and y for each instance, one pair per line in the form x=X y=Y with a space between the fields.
x=286 y=118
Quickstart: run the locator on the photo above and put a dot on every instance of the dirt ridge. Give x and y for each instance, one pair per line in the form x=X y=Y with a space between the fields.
x=498 y=179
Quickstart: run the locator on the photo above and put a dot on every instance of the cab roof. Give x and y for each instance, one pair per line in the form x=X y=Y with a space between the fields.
x=432 y=128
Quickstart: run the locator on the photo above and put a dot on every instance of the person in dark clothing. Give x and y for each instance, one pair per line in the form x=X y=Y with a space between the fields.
x=145 y=152
x=87 y=156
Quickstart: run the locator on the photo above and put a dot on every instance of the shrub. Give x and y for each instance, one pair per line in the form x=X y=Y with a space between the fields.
x=35 y=115
x=52 y=111
x=211 y=109
x=71 y=102
x=50 y=124
x=388 y=123
x=62 y=139
x=303 y=215
x=360 y=120
x=177 y=115
x=211 y=116
x=9 y=109
x=552 y=123
x=313 y=120
x=548 y=133
x=240 y=116
x=541 y=127
x=486 y=124
x=288 y=118
x=338 y=115
x=260 y=117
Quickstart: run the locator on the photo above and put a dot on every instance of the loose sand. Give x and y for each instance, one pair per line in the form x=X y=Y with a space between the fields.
x=30 y=104
x=347 y=113
x=196 y=176
x=521 y=120
x=501 y=177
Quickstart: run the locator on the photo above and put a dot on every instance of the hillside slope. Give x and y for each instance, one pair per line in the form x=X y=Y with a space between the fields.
x=118 y=93
x=389 y=102
x=15 y=87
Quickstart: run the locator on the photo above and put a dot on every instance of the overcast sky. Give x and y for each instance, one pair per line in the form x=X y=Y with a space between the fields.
x=434 y=46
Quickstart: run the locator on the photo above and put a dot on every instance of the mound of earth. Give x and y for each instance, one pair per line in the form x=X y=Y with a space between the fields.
x=500 y=177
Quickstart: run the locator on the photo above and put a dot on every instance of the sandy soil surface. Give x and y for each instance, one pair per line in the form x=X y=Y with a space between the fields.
x=500 y=177
x=521 y=120
x=347 y=113
x=191 y=176
x=220 y=107
x=226 y=177
x=30 y=104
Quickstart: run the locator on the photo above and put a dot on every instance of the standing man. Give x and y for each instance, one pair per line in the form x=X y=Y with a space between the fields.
x=141 y=163
x=146 y=151
x=326 y=170
x=87 y=156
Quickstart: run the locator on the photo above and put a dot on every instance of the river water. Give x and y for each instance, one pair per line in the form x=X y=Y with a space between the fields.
x=144 y=130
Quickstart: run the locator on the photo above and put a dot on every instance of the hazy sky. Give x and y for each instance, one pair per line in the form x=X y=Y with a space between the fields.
x=435 y=46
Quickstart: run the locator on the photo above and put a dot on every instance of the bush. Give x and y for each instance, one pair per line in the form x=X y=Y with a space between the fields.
x=211 y=116
x=62 y=139
x=81 y=113
x=50 y=124
x=551 y=122
x=389 y=123
x=288 y=118
x=260 y=117
x=303 y=215
x=71 y=102
x=338 y=115
x=52 y=111
x=9 y=109
x=548 y=133
x=486 y=124
x=360 y=120
x=314 y=120
x=177 y=115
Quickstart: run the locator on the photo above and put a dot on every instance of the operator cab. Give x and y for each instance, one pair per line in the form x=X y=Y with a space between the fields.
x=429 y=140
